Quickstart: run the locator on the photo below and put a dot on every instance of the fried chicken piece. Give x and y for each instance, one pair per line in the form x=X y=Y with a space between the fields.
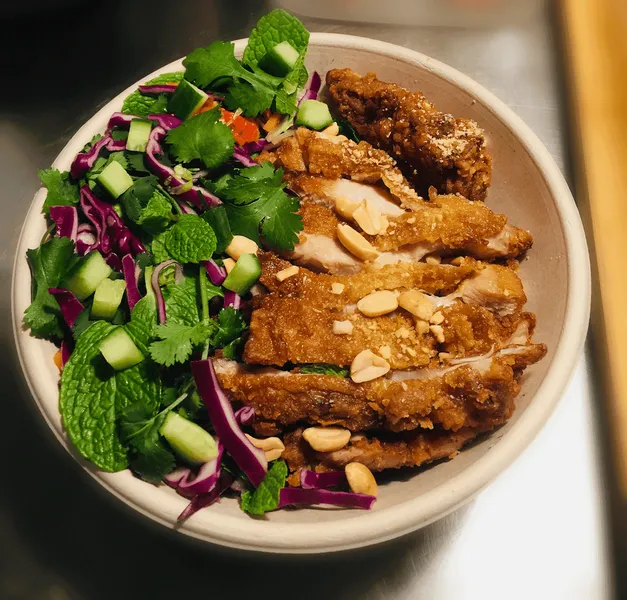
x=377 y=453
x=474 y=392
x=334 y=157
x=433 y=148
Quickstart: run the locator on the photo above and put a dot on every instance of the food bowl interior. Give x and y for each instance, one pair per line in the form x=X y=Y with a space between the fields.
x=520 y=189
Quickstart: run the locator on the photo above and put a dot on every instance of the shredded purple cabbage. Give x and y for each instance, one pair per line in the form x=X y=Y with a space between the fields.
x=157 y=288
x=159 y=88
x=131 y=276
x=233 y=300
x=216 y=273
x=85 y=160
x=203 y=500
x=243 y=157
x=245 y=416
x=249 y=459
x=290 y=496
x=66 y=219
x=67 y=346
x=313 y=87
x=311 y=480
x=203 y=482
x=69 y=304
x=255 y=147
x=86 y=239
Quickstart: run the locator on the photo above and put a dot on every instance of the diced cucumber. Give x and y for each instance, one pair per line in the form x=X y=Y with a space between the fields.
x=244 y=274
x=119 y=350
x=186 y=100
x=84 y=281
x=115 y=179
x=107 y=298
x=217 y=218
x=138 y=135
x=190 y=441
x=314 y=114
x=280 y=60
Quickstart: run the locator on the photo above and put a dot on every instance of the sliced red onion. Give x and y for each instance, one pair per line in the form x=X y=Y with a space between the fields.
x=254 y=147
x=205 y=500
x=312 y=88
x=86 y=239
x=205 y=480
x=66 y=350
x=85 y=160
x=290 y=496
x=166 y=121
x=66 y=218
x=174 y=477
x=216 y=273
x=310 y=480
x=196 y=195
x=159 y=88
x=157 y=288
x=242 y=156
x=249 y=459
x=131 y=279
x=245 y=415
x=68 y=303
x=232 y=299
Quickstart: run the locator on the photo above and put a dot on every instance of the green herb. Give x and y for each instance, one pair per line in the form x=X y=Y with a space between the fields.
x=136 y=198
x=143 y=105
x=266 y=497
x=49 y=264
x=61 y=190
x=139 y=427
x=146 y=205
x=136 y=165
x=347 y=129
x=190 y=240
x=252 y=92
x=100 y=164
x=177 y=342
x=157 y=248
x=273 y=214
x=202 y=137
x=157 y=214
x=231 y=325
x=324 y=369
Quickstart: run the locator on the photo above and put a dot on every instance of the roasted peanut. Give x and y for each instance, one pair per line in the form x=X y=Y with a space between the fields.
x=360 y=479
x=332 y=129
x=346 y=207
x=229 y=263
x=417 y=303
x=378 y=303
x=356 y=243
x=273 y=447
x=241 y=245
x=367 y=366
x=327 y=439
x=368 y=217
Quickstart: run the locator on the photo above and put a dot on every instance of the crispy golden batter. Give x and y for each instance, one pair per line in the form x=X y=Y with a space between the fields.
x=432 y=147
x=474 y=394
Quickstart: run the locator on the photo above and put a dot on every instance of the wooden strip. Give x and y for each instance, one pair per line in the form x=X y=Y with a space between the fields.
x=596 y=41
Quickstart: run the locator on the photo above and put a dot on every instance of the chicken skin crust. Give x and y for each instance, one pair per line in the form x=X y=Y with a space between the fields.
x=431 y=147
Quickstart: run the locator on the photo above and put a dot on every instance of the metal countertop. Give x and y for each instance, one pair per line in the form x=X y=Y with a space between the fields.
x=538 y=532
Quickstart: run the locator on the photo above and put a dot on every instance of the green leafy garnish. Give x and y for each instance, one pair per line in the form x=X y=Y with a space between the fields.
x=190 y=240
x=61 y=190
x=266 y=497
x=230 y=326
x=177 y=341
x=49 y=264
x=324 y=369
x=142 y=105
x=202 y=137
x=100 y=164
x=158 y=249
x=146 y=205
x=272 y=215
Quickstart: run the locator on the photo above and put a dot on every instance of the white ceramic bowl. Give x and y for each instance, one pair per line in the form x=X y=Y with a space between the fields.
x=527 y=186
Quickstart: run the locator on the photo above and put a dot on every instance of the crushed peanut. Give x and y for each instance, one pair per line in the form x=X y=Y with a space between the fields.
x=438 y=332
x=385 y=352
x=433 y=260
x=337 y=288
x=342 y=327
x=437 y=318
x=287 y=273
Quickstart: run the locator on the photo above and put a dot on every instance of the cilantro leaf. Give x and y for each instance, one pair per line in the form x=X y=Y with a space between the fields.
x=216 y=62
x=272 y=29
x=190 y=240
x=136 y=163
x=61 y=191
x=253 y=100
x=273 y=214
x=231 y=325
x=202 y=137
x=177 y=342
x=144 y=204
x=49 y=264
x=324 y=369
x=101 y=163
x=142 y=105
x=266 y=497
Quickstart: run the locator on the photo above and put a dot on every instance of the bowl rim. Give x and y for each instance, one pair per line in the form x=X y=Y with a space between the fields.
x=357 y=529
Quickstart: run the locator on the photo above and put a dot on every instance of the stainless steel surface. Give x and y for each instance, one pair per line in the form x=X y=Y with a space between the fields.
x=538 y=532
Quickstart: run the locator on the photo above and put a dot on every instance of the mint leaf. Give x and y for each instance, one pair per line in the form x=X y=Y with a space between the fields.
x=135 y=199
x=143 y=320
x=49 y=264
x=177 y=342
x=157 y=214
x=61 y=191
x=324 y=369
x=157 y=248
x=216 y=62
x=190 y=240
x=266 y=497
x=273 y=213
x=138 y=104
x=272 y=29
x=202 y=137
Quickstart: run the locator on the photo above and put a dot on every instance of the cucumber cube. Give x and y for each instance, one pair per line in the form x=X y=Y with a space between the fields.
x=190 y=441
x=244 y=274
x=107 y=298
x=138 y=135
x=115 y=179
x=186 y=99
x=84 y=281
x=280 y=60
x=119 y=350
x=314 y=114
